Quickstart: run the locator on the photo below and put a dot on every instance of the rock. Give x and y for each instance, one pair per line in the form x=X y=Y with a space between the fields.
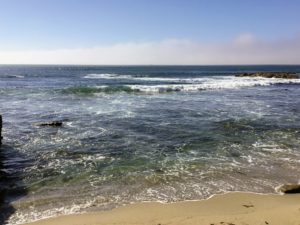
x=1 y=130
x=283 y=75
x=289 y=188
x=57 y=123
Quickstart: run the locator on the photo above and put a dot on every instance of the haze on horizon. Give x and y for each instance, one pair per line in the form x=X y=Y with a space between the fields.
x=143 y=32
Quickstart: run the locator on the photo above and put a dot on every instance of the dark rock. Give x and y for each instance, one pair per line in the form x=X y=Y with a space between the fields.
x=289 y=188
x=57 y=123
x=283 y=75
x=1 y=130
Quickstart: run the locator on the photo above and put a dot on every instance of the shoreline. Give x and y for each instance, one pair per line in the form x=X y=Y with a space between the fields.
x=94 y=147
x=233 y=208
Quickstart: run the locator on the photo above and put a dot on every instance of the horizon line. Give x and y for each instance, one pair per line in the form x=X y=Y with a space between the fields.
x=149 y=65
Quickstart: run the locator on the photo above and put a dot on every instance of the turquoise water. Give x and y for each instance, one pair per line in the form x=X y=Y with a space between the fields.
x=133 y=134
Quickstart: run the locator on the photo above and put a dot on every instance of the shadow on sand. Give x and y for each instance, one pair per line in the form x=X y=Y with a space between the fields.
x=11 y=184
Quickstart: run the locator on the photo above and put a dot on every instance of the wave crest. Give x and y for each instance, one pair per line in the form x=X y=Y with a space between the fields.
x=184 y=84
x=106 y=76
x=213 y=84
x=12 y=76
x=85 y=90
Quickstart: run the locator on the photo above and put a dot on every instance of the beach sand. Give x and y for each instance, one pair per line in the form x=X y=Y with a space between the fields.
x=226 y=209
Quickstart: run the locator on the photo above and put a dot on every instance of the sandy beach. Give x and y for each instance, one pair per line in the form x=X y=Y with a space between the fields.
x=131 y=112
x=227 y=209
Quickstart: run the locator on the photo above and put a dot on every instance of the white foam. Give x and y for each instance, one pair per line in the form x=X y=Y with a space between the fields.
x=95 y=157
x=195 y=84
x=107 y=76
x=15 y=76
x=160 y=79
x=114 y=76
x=214 y=84
x=35 y=215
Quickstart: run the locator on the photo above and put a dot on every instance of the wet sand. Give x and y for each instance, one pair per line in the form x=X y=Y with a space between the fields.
x=226 y=209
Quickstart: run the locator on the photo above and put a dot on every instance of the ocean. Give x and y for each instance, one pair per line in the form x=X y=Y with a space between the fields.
x=142 y=133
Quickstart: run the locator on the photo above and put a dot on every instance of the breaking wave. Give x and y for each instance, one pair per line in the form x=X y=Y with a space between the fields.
x=113 y=76
x=12 y=76
x=181 y=84
x=84 y=90
x=214 y=84
x=107 y=76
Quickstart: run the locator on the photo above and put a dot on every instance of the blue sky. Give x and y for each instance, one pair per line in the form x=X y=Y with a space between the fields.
x=53 y=25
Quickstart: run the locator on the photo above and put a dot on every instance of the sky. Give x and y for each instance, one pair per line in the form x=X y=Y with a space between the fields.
x=135 y=32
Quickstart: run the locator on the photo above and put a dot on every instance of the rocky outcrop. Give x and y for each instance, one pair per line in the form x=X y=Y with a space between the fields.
x=57 y=123
x=289 y=188
x=282 y=75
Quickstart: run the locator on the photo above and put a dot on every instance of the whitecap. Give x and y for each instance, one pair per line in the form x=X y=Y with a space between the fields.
x=194 y=84
x=14 y=76
x=213 y=84
x=107 y=76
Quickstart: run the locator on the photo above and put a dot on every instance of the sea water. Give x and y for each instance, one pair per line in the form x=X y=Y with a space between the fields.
x=142 y=133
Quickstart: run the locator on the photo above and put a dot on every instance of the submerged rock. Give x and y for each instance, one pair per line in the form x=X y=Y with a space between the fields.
x=57 y=123
x=283 y=75
x=289 y=188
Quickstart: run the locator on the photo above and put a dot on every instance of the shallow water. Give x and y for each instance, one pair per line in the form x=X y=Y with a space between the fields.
x=134 y=134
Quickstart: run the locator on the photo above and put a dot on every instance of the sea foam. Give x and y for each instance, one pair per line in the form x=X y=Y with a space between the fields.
x=199 y=84
x=107 y=76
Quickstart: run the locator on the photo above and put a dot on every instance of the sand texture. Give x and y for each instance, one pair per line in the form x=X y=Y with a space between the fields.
x=226 y=209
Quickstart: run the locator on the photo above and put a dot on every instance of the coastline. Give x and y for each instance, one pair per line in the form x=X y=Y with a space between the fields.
x=108 y=137
x=234 y=208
